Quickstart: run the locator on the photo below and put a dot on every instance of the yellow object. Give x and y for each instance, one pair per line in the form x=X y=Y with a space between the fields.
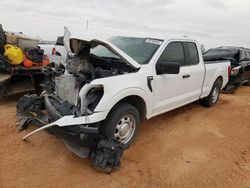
x=14 y=54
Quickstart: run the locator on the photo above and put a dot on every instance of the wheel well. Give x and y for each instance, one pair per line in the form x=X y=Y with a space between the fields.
x=220 y=78
x=137 y=102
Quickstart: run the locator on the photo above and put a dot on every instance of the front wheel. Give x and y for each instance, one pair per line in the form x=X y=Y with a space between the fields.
x=213 y=96
x=122 y=123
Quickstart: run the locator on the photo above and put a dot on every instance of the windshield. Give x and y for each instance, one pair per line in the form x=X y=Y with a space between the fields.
x=139 y=49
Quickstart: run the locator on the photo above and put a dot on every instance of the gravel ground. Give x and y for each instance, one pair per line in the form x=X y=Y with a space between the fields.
x=192 y=146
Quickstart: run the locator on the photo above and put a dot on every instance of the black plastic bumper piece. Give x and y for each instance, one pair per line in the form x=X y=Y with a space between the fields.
x=233 y=84
x=78 y=135
x=82 y=135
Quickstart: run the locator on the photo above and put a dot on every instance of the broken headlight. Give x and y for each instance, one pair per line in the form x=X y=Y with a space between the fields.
x=94 y=96
x=89 y=97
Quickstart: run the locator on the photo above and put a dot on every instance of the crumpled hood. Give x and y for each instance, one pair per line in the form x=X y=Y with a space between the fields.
x=94 y=42
x=72 y=46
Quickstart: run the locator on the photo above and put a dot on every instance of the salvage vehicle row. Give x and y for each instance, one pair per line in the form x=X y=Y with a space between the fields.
x=240 y=64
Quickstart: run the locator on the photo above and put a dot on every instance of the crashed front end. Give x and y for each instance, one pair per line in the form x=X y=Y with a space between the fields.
x=53 y=114
x=82 y=139
x=66 y=107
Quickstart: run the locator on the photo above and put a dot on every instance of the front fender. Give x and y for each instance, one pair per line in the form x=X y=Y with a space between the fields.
x=110 y=100
x=119 y=87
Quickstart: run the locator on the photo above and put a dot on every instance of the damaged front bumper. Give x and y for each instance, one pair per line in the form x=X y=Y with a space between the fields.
x=77 y=133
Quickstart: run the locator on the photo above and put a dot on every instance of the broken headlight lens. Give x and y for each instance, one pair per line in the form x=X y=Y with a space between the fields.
x=94 y=96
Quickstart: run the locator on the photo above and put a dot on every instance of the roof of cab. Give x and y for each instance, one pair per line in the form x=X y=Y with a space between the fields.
x=165 y=37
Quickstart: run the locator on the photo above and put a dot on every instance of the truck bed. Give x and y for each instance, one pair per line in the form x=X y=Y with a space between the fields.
x=213 y=69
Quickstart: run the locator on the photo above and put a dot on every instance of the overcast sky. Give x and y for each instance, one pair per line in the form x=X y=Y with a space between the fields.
x=211 y=22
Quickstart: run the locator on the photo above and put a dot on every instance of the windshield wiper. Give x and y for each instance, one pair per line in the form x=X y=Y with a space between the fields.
x=112 y=58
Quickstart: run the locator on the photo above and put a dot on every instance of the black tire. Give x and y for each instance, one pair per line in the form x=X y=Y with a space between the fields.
x=210 y=100
x=247 y=83
x=116 y=116
x=230 y=89
x=2 y=40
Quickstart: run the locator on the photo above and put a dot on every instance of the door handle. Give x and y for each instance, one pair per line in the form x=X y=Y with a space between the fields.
x=149 y=82
x=186 y=76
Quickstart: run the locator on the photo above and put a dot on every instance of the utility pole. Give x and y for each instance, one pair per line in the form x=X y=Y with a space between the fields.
x=87 y=24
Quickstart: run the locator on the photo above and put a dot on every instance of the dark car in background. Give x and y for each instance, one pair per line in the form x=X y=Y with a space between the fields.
x=240 y=64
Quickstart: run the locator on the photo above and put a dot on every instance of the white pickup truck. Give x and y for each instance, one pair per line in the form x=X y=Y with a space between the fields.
x=109 y=87
x=56 y=52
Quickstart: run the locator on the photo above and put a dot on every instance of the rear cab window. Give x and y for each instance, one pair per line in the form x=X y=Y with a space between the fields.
x=192 y=55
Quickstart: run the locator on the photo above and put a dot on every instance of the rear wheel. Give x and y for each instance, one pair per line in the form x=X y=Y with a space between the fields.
x=122 y=123
x=213 y=96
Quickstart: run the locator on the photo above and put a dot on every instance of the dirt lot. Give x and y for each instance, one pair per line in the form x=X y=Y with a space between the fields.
x=190 y=147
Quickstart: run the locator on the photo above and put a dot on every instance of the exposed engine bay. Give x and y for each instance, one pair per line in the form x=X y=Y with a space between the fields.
x=88 y=66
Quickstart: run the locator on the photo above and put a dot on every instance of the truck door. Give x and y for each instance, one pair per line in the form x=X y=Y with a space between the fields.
x=172 y=91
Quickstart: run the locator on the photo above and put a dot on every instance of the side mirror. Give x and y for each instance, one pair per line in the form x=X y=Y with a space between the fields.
x=245 y=59
x=167 y=68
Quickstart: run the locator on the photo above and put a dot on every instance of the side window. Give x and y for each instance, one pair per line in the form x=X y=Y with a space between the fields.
x=192 y=53
x=174 y=52
x=248 y=54
x=242 y=55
